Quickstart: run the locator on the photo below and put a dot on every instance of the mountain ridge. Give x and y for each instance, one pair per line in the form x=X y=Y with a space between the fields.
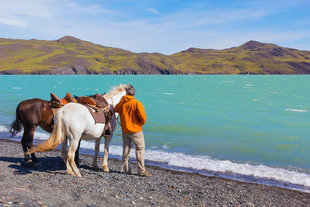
x=70 y=55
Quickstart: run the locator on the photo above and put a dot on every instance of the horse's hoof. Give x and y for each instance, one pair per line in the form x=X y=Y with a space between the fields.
x=106 y=169
x=78 y=174
x=27 y=162
x=95 y=168
x=70 y=172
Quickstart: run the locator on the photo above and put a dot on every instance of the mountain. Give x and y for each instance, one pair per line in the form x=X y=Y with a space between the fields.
x=70 y=55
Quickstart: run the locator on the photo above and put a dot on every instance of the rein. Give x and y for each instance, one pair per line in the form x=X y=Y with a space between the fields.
x=117 y=121
x=118 y=128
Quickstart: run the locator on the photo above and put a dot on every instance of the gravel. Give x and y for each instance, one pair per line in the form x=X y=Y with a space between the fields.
x=47 y=184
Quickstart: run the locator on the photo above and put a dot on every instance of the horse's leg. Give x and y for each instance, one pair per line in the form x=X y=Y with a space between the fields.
x=64 y=154
x=97 y=147
x=27 y=142
x=77 y=154
x=70 y=157
x=107 y=141
x=64 y=145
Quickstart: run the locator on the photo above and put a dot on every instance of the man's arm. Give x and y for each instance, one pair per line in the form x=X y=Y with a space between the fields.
x=117 y=107
x=141 y=113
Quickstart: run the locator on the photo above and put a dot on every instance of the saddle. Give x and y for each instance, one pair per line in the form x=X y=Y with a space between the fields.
x=98 y=107
x=97 y=102
x=58 y=103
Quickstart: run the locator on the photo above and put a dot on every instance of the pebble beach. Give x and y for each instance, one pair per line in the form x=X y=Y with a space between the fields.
x=47 y=184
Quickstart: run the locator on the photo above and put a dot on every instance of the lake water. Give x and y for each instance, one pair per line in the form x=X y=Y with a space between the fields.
x=253 y=128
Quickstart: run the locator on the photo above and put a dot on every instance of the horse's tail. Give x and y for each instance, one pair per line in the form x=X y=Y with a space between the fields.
x=53 y=141
x=16 y=125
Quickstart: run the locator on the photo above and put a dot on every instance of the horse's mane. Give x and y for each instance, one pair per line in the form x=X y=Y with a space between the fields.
x=115 y=90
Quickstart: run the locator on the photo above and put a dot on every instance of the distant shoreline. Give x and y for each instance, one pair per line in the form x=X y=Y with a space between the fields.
x=153 y=74
x=48 y=184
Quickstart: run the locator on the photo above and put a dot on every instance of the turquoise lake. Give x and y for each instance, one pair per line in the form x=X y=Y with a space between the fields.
x=237 y=125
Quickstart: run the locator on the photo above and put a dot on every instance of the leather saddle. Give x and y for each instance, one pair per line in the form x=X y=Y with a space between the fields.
x=58 y=103
x=99 y=108
x=97 y=102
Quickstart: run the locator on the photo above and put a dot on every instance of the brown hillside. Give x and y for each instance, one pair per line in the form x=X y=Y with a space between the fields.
x=70 y=55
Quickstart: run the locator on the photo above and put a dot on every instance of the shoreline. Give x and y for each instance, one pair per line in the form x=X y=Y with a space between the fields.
x=226 y=175
x=47 y=184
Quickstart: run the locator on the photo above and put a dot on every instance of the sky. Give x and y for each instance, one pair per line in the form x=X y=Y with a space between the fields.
x=164 y=26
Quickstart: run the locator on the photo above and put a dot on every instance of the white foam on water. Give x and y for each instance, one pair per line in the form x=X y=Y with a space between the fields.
x=227 y=81
x=16 y=88
x=4 y=130
x=296 y=110
x=168 y=93
x=41 y=136
x=205 y=163
x=165 y=147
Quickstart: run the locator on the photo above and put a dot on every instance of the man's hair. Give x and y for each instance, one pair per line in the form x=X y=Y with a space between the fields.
x=130 y=90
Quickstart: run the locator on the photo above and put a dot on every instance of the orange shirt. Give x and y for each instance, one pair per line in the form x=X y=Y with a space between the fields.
x=132 y=114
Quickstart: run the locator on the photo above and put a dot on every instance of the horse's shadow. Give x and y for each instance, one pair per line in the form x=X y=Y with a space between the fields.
x=46 y=164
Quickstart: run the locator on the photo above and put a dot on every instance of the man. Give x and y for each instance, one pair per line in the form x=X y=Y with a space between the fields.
x=133 y=117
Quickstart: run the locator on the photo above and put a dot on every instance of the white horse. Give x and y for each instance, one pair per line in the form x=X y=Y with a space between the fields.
x=74 y=122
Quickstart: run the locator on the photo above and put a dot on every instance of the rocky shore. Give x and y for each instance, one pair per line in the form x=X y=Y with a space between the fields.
x=47 y=184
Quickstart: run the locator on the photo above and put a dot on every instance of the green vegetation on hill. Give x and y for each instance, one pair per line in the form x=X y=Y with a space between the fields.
x=70 y=55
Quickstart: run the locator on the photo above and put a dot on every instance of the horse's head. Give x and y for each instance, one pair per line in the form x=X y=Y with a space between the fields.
x=115 y=94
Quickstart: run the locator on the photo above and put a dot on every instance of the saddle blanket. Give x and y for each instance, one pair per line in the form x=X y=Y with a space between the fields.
x=99 y=116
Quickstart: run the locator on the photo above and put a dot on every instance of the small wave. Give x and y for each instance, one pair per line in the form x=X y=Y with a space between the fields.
x=4 y=131
x=224 y=168
x=296 y=110
x=165 y=147
x=168 y=93
x=16 y=88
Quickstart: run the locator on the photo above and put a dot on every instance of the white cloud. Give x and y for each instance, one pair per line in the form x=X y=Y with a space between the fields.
x=12 y=22
x=154 y=11
x=20 y=8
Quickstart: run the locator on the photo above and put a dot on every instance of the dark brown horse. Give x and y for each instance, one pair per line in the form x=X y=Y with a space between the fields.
x=30 y=114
